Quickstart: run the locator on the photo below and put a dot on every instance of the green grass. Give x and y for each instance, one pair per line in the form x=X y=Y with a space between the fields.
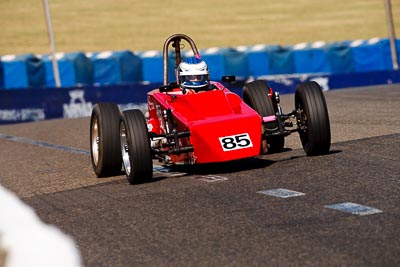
x=99 y=25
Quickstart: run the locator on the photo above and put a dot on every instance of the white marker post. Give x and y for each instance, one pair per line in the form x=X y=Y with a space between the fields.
x=52 y=46
x=392 y=37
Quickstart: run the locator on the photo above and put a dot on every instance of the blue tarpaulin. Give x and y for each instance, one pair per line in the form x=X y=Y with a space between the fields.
x=258 y=59
x=119 y=67
x=281 y=60
x=74 y=68
x=340 y=58
x=215 y=62
x=227 y=61
x=369 y=56
x=152 y=66
x=23 y=71
x=1 y=75
x=235 y=63
x=310 y=60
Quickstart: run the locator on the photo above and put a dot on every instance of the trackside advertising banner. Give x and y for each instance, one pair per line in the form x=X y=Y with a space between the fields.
x=29 y=105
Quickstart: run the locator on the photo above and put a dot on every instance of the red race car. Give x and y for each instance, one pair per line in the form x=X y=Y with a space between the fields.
x=193 y=120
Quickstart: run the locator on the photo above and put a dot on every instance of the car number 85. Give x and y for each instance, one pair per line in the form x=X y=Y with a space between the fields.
x=234 y=142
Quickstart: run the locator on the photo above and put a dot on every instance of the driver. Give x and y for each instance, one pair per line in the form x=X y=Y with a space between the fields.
x=193 y=74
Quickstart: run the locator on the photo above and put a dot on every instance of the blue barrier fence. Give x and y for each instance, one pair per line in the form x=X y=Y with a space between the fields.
x=122 y=67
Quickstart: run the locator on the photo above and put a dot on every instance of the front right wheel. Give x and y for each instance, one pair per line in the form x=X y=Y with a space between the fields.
x=135 y=147
x=312 y=119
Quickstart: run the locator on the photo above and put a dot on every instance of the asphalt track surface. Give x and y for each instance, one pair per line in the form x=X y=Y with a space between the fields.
x=215 y=215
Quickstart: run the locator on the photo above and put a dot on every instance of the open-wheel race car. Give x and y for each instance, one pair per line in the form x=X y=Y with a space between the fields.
x=194 y=121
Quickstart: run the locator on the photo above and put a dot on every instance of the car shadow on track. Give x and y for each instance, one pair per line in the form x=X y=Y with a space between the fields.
x=165 y=171
x=222 y=167
x=304 y=155
x=162 y=172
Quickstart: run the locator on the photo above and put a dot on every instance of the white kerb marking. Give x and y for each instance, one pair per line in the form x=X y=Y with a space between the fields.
x=353 y=208
x=212 y=178
x=281 y=192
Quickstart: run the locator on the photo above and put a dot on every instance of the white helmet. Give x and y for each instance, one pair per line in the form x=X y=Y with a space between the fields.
x=193 y=73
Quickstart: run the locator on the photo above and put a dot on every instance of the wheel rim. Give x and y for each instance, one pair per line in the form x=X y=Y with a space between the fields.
x=125 y=149
x=302 y=122
x=95 y=140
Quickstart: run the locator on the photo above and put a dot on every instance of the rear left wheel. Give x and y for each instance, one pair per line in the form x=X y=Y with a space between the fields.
x=135 y=147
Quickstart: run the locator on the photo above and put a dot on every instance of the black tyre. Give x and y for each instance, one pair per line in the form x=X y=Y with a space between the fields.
x=313 y=119
x=135 y=147
x=255 y=94
x=104 y=140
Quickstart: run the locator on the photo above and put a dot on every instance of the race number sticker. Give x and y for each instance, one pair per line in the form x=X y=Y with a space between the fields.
x=234 y=142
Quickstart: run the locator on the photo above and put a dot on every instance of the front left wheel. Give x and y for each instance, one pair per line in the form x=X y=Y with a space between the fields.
x=135 y=147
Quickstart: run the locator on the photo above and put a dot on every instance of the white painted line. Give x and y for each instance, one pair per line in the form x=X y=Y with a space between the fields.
x=353 y=208
x=44 y=144
x=212 y=178
x=281 y=192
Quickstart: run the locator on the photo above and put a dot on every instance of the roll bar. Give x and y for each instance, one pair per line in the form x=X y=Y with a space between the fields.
x=176 y=43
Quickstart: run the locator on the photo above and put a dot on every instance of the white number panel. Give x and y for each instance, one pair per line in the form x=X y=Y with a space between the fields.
x=234 y=142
